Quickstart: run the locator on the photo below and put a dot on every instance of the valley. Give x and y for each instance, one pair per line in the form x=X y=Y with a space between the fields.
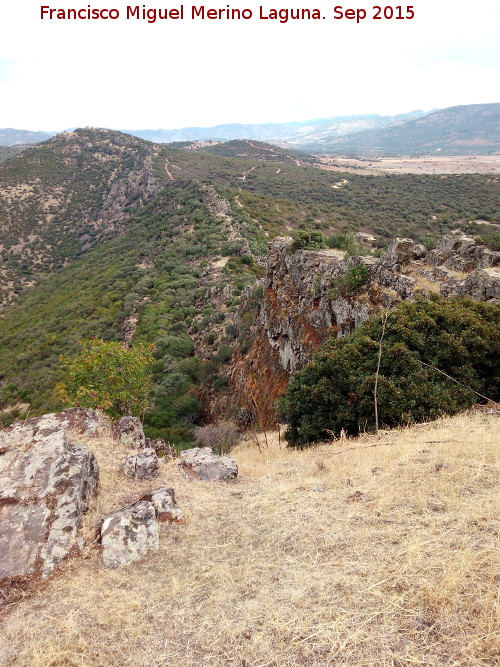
x=283 y=309
x=106 y=235
x=460 y=164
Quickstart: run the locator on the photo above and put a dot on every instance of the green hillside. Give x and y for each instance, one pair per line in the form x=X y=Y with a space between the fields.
x=61 y=197
x=154 y=277
x=130 y=241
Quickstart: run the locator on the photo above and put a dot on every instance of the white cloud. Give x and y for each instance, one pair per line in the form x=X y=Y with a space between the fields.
x=170 y=74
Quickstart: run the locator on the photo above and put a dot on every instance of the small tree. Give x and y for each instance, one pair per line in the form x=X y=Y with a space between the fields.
x=106 y=376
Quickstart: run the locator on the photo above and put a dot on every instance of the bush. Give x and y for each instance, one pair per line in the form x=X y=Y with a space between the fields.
x=108 y=377
x=308 y=241
x=224 y=354
x=220 y=437
x=346 y=241
x=335 y=391
x=350 y=283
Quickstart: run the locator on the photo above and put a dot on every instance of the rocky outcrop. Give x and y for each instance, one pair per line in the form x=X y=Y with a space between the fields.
x=308 y=297
x=47 y=481
x=129 y=432
x=142 y=466
x=129 y=535
x=79 y=421
x=201 y=463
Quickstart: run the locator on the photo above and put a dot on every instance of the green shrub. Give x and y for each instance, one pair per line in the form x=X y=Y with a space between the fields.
x=224 y=353
x=109 y=377
x=307 y=241
x=336 y=390
x=346 y=241
x=351 y=282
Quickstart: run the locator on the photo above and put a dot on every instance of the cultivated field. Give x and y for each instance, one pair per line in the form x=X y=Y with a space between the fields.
x=371 y=552
x=459 y=164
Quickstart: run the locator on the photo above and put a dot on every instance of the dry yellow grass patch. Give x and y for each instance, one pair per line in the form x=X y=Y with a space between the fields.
x=378 y=556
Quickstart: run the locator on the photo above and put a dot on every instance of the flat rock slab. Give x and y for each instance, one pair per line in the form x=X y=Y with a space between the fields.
x=129 y=534
x=142 y=466
x=129 y=431
x=201 y=463
x=46 y=483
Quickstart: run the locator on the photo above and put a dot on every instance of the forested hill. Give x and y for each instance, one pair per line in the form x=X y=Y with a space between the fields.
x=64 y=196
x=107 y=235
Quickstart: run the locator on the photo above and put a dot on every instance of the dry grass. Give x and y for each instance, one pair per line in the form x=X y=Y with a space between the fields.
x=379 y=556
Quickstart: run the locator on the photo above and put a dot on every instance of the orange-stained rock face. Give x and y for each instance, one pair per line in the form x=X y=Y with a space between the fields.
x=302 y=306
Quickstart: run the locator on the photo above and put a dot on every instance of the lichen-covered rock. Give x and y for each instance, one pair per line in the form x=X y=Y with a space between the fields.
x=462 y=254
x=81 y=421
x=481 y=285
x=129 y=534
x=129 y=431
x=142 y=466
x=202 y=463
x=400 y=252
x=46 y=483
x=165 y=505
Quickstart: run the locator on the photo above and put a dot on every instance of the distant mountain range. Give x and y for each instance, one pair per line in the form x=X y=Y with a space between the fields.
x=461 y=130
x=468 y=129
x=11 y=137
x=295 y=133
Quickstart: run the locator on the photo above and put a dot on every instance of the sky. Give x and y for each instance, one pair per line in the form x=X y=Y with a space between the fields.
x=130 y=74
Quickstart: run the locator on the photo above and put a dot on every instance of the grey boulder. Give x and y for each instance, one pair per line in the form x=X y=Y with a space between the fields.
x=165 y=505
x=201 y=463
x=129 y=431
x=46 y=482
x=142 y=466
x=129 y=534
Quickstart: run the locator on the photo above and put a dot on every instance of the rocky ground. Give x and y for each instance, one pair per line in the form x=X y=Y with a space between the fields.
x=374 y=551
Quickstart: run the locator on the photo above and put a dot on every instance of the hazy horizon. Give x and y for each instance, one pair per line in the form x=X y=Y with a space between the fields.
x=236 y=122
x=192 y=73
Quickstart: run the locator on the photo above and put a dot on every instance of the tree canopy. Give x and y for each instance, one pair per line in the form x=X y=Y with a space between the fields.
x=423 y=340
x=106 y=376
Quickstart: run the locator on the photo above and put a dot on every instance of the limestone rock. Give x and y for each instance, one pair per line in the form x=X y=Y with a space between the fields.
x=165 y=505
x=129 y=431
x=202 y=463
x=46 y=483
x=142 y=466
x=129 y=534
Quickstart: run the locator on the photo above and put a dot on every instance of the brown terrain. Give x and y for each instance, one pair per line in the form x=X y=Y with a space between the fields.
x=447 y=164
x=370 y=552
